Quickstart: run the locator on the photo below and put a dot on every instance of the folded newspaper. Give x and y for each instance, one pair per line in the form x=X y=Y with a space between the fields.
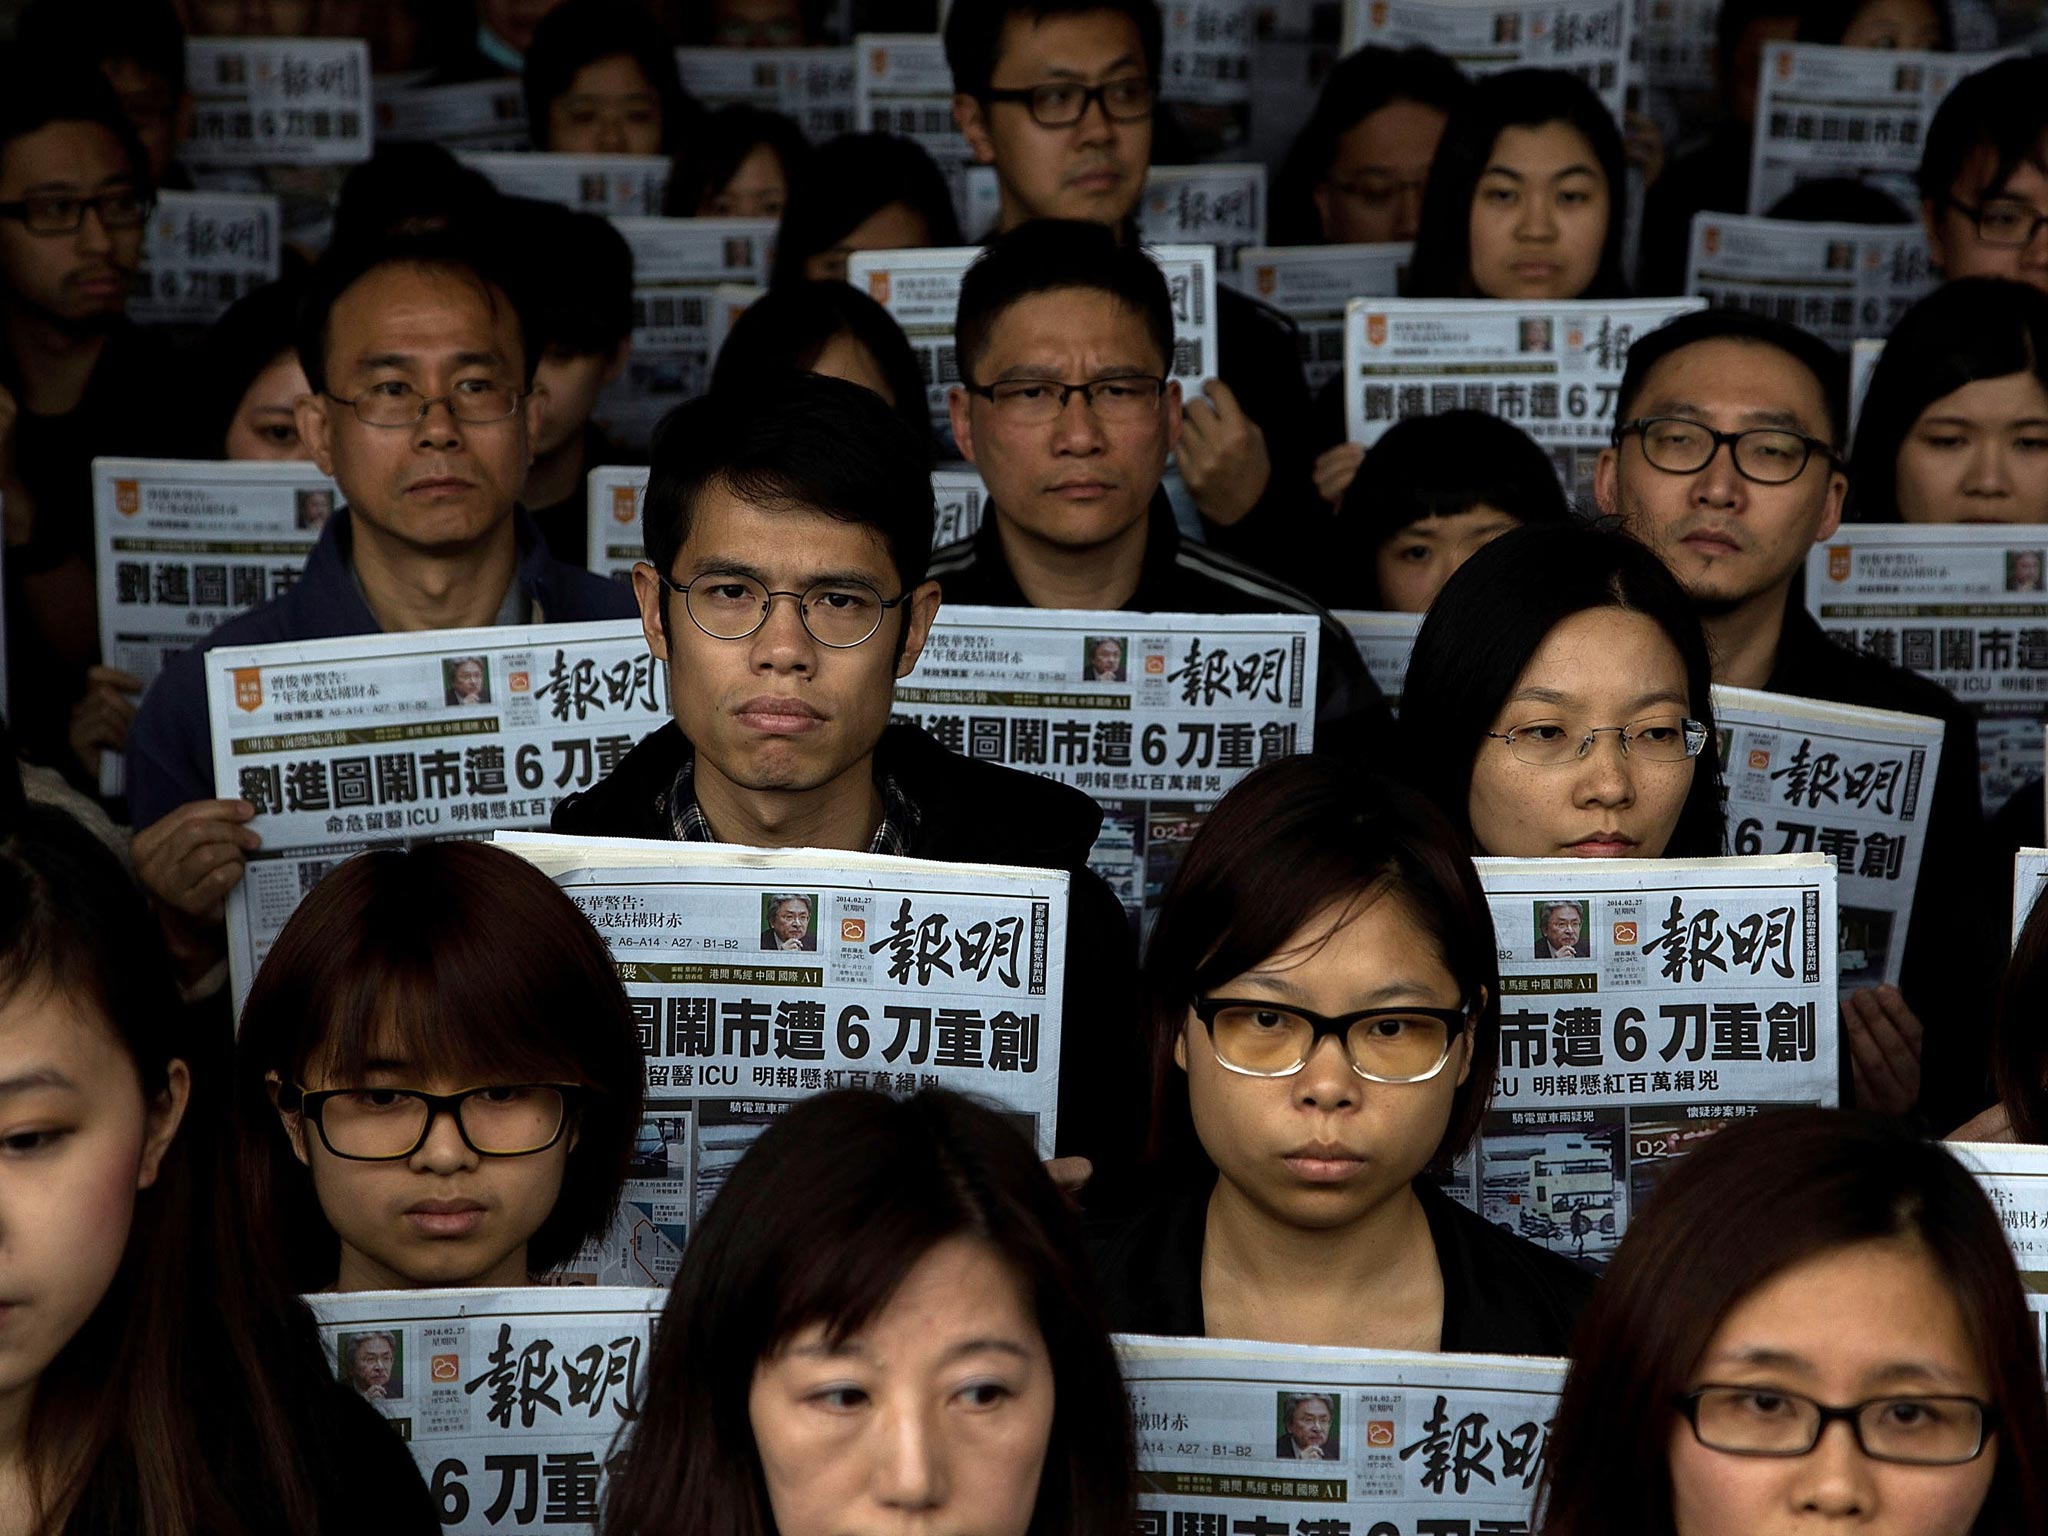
x=2016 y=1179
x=1312 y=284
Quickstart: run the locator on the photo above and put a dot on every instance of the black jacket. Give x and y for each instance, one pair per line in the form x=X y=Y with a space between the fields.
x=977 y=813
x=1502 y=1294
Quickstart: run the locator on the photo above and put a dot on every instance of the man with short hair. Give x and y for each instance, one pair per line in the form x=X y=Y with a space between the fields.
x=785 y=585
x=789 y=925
x=1984 y=175
x=1727 y=462
x=1063 y=338
x=423 y=411
x=372 y=1358
x=139 y=45
x=1308 y=1434
x=1563 y=924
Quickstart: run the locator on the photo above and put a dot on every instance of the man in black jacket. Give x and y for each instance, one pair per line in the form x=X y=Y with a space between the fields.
x=816 y=492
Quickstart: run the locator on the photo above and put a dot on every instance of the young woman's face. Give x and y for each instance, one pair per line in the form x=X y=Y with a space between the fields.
x=266 y=426
x=1539 y=215
x=891 y=227
x=77 y=1140
x=610 y=108
x=1873 y=1320
x=1416 y=562
x=935 y=1416
x=757 y=189
x=1599 y=668
x=1978 y=455
x=1894 y=24
x=1325 y=1147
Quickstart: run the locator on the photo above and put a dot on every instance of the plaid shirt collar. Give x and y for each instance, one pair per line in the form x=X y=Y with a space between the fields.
x=898 y=826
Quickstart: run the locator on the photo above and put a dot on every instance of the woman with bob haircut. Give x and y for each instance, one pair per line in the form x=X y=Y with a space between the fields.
x=738 y=165
x=601 y=79
x=1525 y=195
x=1558 y=703
x=906 y=1335
x=861 y=192
x=1814 y=1322
x=1323 y=1006
x=157 y=1377
x=438 y=1079
x=1955 y=426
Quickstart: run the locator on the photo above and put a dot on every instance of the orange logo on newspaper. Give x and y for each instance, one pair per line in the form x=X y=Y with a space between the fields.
x=1840 y=556
x=249 y=688
x=1712 y=240
x=1784 y=63
x=1266 y=280
x=878 y=61
x=1759 y=759
x=1624 y=933
x=127 y=497
x=446 y=1368
x=1376 y=330
x=1379 y=13
x=521 y=682
x=1155 y=665
x=1574 y=339
x=878 y=287
x=1379 y=1432
x=853 y=930
x=622 y=504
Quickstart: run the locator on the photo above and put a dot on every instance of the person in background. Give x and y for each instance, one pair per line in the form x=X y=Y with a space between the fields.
x=2019 y=1043
x=1814 y=1323
x=139 y=45
x=739 y=164
x=410 y=189
x=755 y=23
x=1983 y=174
x=601 y=79
x=861 y=192
x=1921 y=25
x=496 y=46
x=246 y=379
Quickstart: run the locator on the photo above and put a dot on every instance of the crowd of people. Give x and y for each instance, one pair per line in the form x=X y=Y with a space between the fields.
x=895 y=1315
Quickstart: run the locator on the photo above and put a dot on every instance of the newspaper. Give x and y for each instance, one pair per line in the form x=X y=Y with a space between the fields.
x=1553 y=369
x=1385 y=641
x=1588 y=38
x=511 y=1401
x=1863 y=355
x=278 y=101
x=1190 y=705
x=960 y=497
x=1311 y=285
x=1963 y=605
x=201 y=252
x=1839 y=281
x=903 y=85
x=474 y=115
x=1427 y=1443
x=908 y=974
x=2016 y=1179
x=2029 y=876
x=1802 y=776
x=678 y=266
x=1705 y=993
x=623 y=186
x=1207 y=60
x=378 y=740
x=814 y=86
x=1219 y=205
x=1857 y=113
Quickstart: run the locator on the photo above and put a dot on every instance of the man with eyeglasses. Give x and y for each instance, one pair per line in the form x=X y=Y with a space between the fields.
x=1726 y=462
x=1984 y=175
x=1063 y=337
x=424 y=412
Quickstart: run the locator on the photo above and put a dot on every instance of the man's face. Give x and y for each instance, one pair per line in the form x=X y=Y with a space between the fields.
x=1374 y=189
x=568 y=384
x=2026 y=572
x=1725 y=537
x=1092 y=169
x=1108 y=655
x=372 y=1364
x=469 y=679
x=156 y=111
x=777 y=710
x=441 y=483
x=792 y=920
x=1309 y=1423
x=2014 y=205
x=1561 y=926
x=81 y=278
x=1077 y=481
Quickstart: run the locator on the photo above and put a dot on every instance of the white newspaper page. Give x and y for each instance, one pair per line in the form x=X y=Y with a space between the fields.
x=376 y=740
x=1839 y=281
x=678 y=264
x=960 y=497
x=2016 y=1179
x=812 y=85
x=1861 y=114
x=278 y=101
x=903 y=85
x=201 y=252
x=1552 y=369
x=1588 y=38
x=1425 y=1443
x=513 y=1402
x=1312 y=284
x=1219 y=205
x=763 y=976
x=473 y=115
x=2029 y=878
x=1156 y=715
x=1209 y=46
x=1966 y=606
x=620 y=186
x=1645 y=1003
x=1863 y=355
x=1385 y=640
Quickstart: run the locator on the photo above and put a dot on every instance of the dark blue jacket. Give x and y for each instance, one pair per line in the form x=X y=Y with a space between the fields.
x=170 y=752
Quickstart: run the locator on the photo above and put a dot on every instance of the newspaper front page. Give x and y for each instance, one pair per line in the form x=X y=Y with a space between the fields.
x=278 y=101
x=2029 y=878
x=377 y=740
x=1839 y=281
x=1645 y=1004
x=1155 y=715
x=513 y=1402
x=813 y=86
x=903 y=85
x=1965 y=606
x=1207 y=59
x=1312 y=284
x=1385 y=640
x=763 y=976
x=1588 y=38
x=2015 y=1178
x=619 y=186
x=473 y=115
x=201 y=252
x=1425 y=1443
x=1219 y=205
x=1863 y=355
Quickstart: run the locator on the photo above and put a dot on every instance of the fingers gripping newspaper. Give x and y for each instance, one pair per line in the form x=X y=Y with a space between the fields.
x=379 y=740
x=514 y=1403
x=1645 y=1004
x=2015 y=1177
x=762 y=976
x=1249 y=1438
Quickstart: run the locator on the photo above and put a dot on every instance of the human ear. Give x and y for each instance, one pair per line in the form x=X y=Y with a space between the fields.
x=293 y=1122
x=165 y=1116
x=923 y=609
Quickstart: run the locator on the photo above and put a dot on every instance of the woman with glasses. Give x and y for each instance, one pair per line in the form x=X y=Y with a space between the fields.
x=1557 y=703
x=437 y=1080
x=1815 y=1323
x=1323 y=1005
x=861 y=192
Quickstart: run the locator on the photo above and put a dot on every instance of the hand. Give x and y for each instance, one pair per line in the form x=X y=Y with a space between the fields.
x=1070 y=1173
x=1222 y=455
x=1643 y=144
x=188 y=862
x=1884 y=1038
x=1335 y=469
x=100 y=719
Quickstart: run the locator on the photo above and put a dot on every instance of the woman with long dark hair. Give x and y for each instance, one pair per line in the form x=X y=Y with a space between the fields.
x=861 y=192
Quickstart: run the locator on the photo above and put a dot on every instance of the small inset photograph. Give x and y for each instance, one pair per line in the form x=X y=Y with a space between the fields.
x=466 y=680
x=1308 y=1426
x=1562 y=931
x=789 y=920
x=312 y=508
x=1536 y=334
x=2023 y=568
x=372 y=1362
x=1105 y=659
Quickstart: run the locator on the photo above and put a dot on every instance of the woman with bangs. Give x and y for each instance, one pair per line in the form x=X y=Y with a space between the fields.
x=438 y=1078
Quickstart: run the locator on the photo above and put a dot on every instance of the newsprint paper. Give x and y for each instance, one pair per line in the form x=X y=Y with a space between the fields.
x=2016 y=1179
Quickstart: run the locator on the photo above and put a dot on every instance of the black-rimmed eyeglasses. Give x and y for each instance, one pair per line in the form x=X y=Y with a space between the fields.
x=47 y=213
x=1934 y=1430
x=476 y=401
x=839 y=614
x=1383 y=1045
x=1767 y=455
x=1121 y=398
x=383 y=1125
x=2002 y=222
x=1063 y=103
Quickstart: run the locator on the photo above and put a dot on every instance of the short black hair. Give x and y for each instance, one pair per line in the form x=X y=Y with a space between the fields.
x=146 y=31
x=579 y=33
x=36 y=92
x=719 y=142
x=1041 y=255
x=256 y=330
x=1827 y=21
x=845 y=182
x=1803 y=347
x=480 y=257
x=1737 y=17
x=2003 y=108
x=1839 y=200
x=795 y=442
x=409 y=189
x=974 y=34
x=579 y=276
